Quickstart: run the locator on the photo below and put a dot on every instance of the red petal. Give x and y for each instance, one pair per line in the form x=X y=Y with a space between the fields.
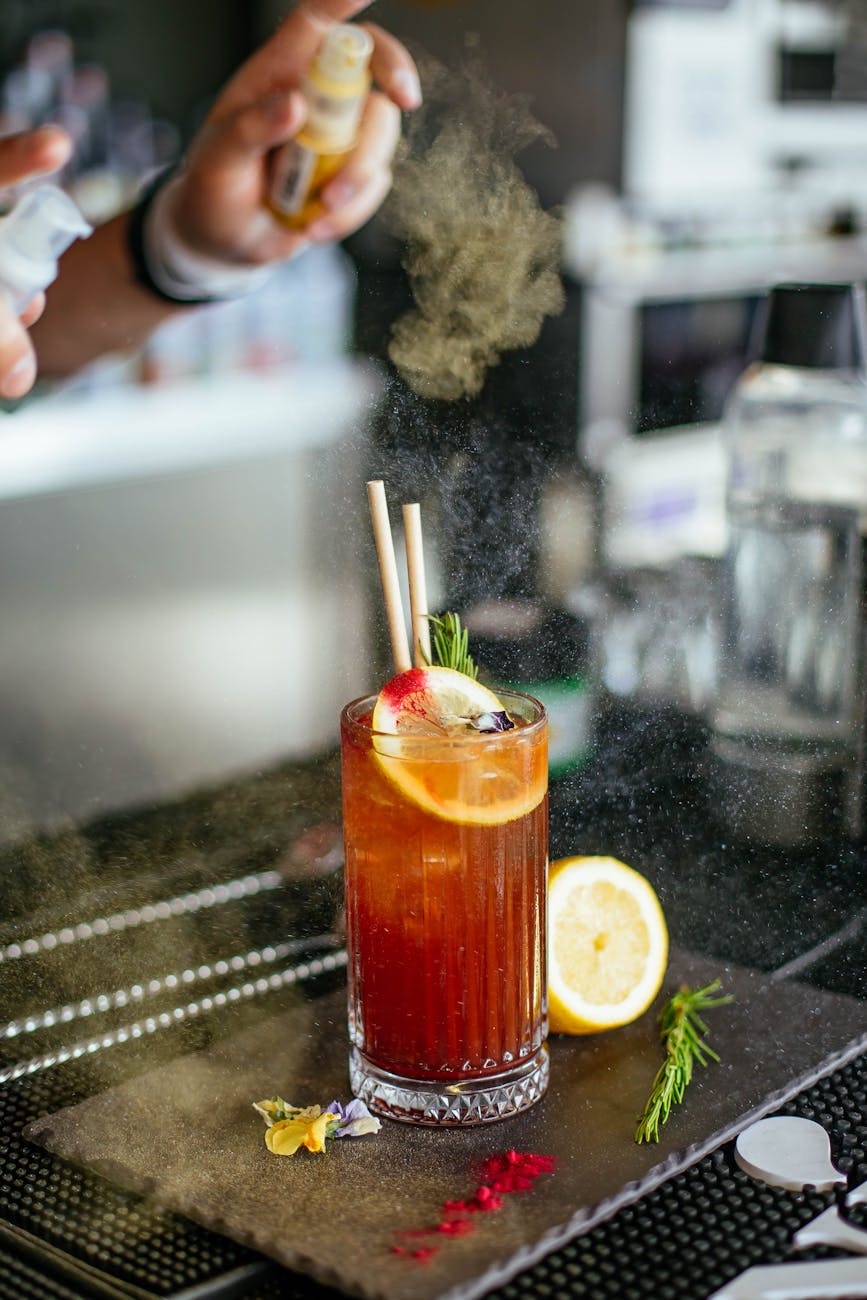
x=456 y=1227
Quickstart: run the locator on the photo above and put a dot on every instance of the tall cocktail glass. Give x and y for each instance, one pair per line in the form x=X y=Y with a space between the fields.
x=446 y=852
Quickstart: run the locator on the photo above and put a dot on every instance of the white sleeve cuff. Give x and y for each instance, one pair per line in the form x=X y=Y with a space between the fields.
x=182 y=274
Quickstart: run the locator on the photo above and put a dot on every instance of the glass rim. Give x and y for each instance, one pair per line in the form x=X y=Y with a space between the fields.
x=350 y=719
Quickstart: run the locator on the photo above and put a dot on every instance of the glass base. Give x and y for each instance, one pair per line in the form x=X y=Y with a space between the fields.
x=443 y=1104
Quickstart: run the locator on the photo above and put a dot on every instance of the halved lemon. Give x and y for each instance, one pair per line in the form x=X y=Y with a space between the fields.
x=607 y=944
x=427 y=744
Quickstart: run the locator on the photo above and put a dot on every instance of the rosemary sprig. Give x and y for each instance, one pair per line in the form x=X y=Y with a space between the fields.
x=451 y=644
x=683 y=1032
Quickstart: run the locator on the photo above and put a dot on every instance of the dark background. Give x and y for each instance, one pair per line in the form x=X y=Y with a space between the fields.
x=176 y=53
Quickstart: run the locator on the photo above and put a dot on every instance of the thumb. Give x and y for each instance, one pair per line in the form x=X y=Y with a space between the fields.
x=248 y=133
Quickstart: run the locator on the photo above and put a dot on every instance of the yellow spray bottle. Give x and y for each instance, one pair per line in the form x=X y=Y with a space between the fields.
x=335 y=89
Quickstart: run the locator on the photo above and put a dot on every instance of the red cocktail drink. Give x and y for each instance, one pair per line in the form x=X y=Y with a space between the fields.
x=446 y=842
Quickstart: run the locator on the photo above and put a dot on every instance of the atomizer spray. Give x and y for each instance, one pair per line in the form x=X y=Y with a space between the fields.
x=335 y=89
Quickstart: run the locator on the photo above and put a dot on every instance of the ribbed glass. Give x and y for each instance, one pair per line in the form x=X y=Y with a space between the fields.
x=446 y=918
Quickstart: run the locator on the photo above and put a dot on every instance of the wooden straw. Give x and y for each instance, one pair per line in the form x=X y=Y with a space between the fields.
x=417 y=586
x=388 y=573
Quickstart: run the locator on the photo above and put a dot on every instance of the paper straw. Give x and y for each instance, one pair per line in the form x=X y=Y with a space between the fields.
x=418 y=609
x=388 y=573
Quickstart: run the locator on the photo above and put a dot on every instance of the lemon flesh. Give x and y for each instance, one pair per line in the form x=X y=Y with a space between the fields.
x=607 y=945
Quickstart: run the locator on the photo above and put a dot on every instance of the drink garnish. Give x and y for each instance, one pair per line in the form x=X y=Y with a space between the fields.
x=502 y=1175
x=418 y=717
x=436 y=701
x=607 y=945
x=290 y=1127
x=497 y=720
x=451 y=644
x=451 y=647
x=684 y=1033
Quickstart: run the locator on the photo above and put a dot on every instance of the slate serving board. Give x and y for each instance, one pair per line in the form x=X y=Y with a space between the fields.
x=186 y=1133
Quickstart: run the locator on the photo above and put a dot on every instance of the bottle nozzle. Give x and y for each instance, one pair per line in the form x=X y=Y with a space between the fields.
x=345 y=52
x=40 y=227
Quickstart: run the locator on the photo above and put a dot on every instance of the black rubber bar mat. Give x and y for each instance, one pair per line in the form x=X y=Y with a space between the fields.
x=187 y=1135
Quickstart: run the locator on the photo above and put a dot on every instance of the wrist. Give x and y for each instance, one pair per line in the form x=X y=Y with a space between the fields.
x=165 y=263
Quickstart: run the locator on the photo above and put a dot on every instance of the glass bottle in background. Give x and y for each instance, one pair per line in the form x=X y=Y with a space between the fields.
x=50 y=55
x=787 y=720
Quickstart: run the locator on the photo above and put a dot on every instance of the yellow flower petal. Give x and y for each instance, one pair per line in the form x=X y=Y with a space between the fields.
x=285 y=1137
x=315 y=1139
x=309 y=1112
x=266 y=1109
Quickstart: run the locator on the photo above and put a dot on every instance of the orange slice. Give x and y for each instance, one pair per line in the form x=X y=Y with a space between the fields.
x=427 y=745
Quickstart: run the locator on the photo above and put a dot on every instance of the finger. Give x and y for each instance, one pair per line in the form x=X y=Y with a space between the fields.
x=277 y=244
x=217 y=206
x=282 y=61
x=393 y=68
x=32 y=153
x=33 y=311
x=322 y=14
x=17 y=359
x=249 y=132
x=378 y=139
x=351 y=216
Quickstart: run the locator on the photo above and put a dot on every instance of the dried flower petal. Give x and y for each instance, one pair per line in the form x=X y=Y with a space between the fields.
x=354 y=1120
x=276 y=1109
x=267 y=1109
x=495 y=720
x=285 y=1136
x=487 y=1203
x=315 y=1139
x=290 y=1127
x=456 y=1227
x=510 y=1172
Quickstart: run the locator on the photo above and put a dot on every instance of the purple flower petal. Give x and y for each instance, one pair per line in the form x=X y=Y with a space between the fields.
x=356 y=1119
x=495 y=720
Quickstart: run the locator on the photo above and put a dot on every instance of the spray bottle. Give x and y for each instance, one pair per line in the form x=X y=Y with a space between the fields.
x=40 y=227
x=335 y=89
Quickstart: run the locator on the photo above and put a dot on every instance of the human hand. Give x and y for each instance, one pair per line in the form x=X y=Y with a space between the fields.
x=218 y=205
x=27 y=154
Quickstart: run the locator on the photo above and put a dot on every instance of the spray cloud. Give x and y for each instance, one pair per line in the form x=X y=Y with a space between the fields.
x=481 y=254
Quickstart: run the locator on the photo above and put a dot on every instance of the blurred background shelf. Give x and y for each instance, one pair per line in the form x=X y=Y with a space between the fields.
x=182 y=584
